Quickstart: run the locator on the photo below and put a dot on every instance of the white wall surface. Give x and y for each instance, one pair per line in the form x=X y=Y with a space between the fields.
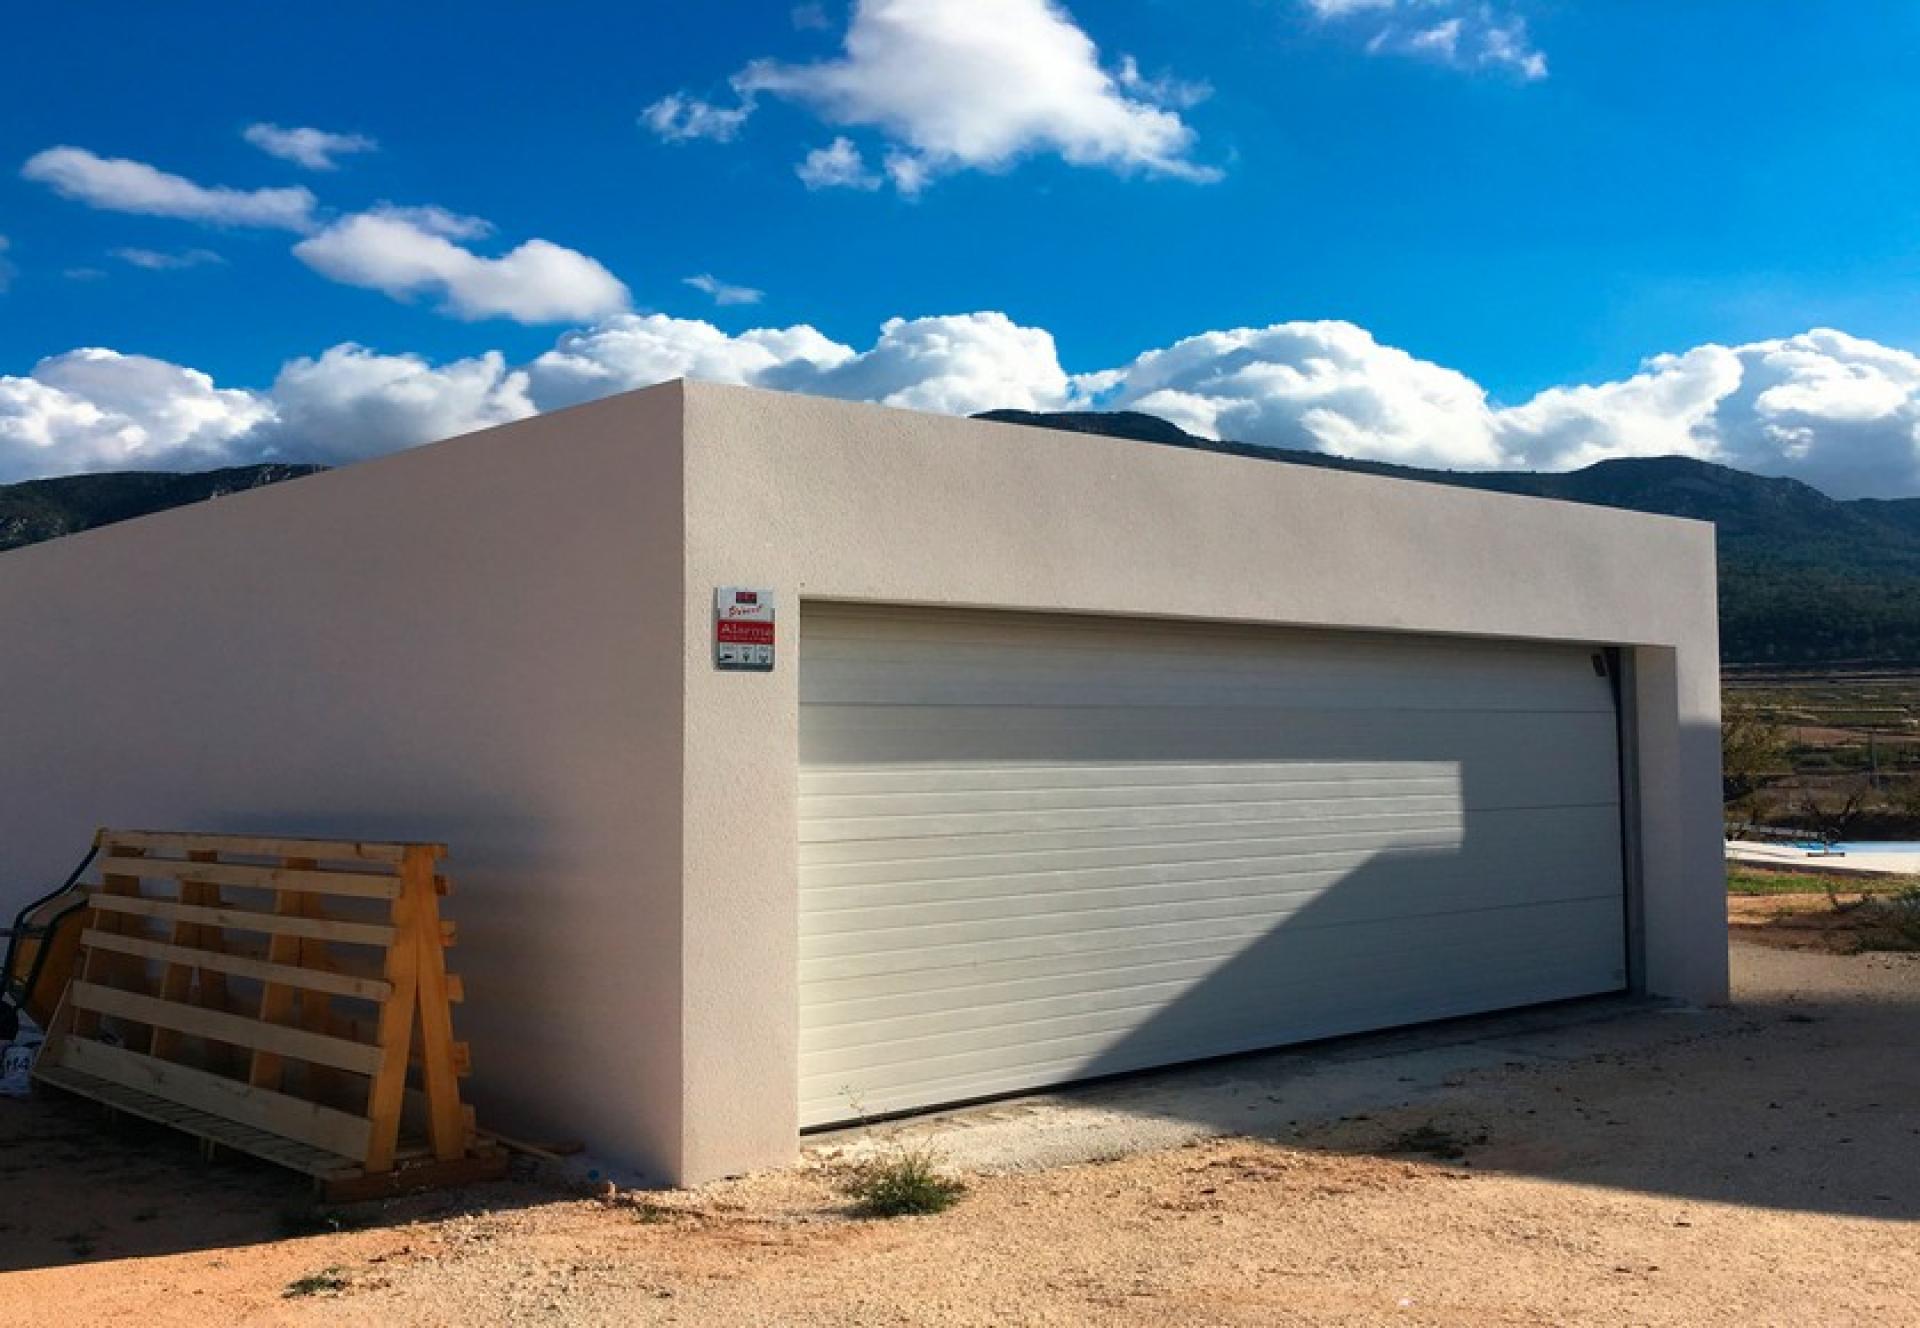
x=476 y=642
x=836 y=501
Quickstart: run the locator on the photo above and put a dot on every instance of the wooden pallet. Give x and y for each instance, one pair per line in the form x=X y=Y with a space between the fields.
x=287 y=998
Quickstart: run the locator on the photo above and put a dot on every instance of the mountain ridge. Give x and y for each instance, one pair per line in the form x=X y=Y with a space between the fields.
x=1804 y=578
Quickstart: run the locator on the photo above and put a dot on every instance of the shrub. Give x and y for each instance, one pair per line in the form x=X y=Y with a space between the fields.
x=904 y=1183
x=313 y=1284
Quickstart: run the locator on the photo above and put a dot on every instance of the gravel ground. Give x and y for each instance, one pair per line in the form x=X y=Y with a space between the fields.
x=1753 y=1166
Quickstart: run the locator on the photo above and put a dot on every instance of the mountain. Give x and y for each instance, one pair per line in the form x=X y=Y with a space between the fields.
x=1804 y=578
x=41 y=509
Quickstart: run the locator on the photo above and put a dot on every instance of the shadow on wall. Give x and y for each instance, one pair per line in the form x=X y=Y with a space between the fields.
x=1351 y=870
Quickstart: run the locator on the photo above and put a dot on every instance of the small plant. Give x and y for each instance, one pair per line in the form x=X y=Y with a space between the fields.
x=905 y=1182
x=326 y=1281
x=1895 y=922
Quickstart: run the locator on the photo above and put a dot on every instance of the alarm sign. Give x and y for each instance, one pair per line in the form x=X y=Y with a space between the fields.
x=743 y=629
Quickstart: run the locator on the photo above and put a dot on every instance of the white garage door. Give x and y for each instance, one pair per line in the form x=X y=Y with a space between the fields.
x=1035 y=849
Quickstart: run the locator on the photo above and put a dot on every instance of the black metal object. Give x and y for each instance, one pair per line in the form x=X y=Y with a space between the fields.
x=15 y=986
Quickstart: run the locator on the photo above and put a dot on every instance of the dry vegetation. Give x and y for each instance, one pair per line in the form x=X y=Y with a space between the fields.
x=1823 y=752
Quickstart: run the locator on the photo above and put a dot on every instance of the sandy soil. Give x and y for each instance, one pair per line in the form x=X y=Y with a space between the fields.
x=1758 y=1167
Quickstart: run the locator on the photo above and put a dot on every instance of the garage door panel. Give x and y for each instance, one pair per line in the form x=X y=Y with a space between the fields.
x=1268 y=815
x=1322 y=996
x=840 y=1013
x=940 y=868
x=819 y=860
x=1143 y=1013
x=1036 y=849
x=1530 y=744
x=1276 y=885
x=1118 y=663
x=821 y=781
x=1067 y=795
x=1231 y=924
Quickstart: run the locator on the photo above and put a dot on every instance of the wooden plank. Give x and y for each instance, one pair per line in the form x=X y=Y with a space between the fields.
x=480 y=1165
x=439 y=1072
x=356 y=885
x=313 y=979
x=277 y=998
x=232 y=1028
x=386 y=1095
x=176 y=979
x=99 y=967
x=316 y=1009
x=462 y=1055
x=277 y=1114
x=331 y=850
x=236 y=919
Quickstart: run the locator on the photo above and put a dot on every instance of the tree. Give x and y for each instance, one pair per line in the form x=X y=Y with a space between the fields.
x=1752 y=746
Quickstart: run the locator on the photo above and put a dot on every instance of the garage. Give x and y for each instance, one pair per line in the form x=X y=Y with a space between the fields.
x=1042 y=848
x=801 y=759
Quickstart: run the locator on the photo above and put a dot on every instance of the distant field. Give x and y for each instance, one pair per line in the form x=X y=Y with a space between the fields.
x=1848 y=736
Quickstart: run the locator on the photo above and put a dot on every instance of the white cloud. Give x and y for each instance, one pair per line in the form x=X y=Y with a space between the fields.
x=95 y=409
x=411 y=251
x=315 y=149
x=351 y=402
x=160 y=260
x=954 y=85
x=957 y=364
x=1837 y=411
x=678 y=118
x=635 y=350
x=1325 y=386
x=811 y=18
x=116 y=184
x=1461 y=34
x=1840 y=412
x=838 y=165
x=722 y=292
x=1164 y=89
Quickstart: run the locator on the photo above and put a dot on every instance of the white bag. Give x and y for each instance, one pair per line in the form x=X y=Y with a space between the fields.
x=16 y=1059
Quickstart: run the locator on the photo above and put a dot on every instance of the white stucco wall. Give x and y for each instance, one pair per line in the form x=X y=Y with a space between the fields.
x=830 y=500
x=475 y=643
x=504 y=642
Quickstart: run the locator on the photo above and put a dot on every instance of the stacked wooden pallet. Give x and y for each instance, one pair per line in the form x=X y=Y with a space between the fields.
x=287 y=998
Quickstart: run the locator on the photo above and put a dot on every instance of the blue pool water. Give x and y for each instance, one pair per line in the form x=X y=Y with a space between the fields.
x=1880 y=846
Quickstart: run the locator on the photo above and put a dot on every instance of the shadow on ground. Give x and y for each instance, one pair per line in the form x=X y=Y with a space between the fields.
x=1803 y=1096
x=79 y=1185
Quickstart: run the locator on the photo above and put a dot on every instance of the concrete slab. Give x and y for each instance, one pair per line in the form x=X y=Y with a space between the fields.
x=1788 y=856
x=1275 y=1094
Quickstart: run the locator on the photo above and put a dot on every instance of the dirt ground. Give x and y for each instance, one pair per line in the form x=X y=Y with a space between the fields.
x=1846 y=923
x=1753 y=1166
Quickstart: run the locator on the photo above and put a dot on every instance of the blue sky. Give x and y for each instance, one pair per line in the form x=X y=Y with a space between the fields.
x=1438 y=231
